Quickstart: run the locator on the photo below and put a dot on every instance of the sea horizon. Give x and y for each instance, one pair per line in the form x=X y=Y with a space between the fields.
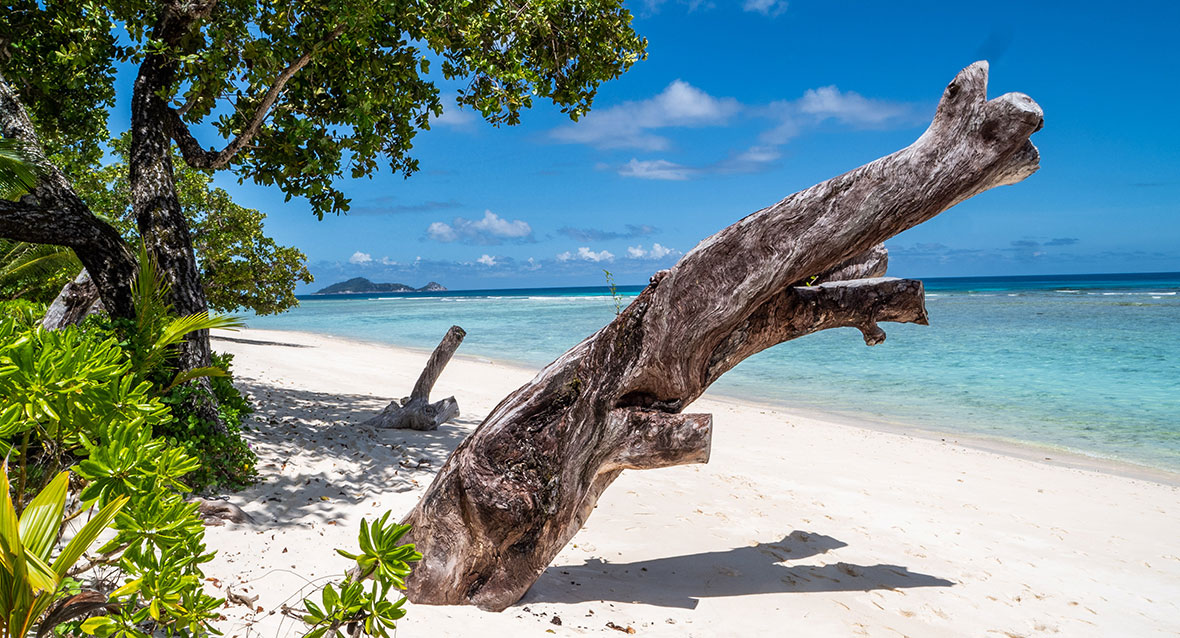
x=1078 y=363
x=1089 y=278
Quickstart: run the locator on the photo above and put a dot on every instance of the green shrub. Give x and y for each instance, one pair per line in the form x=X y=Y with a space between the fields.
x=344 y=610
x=26 y=313
x=71 y=396
x=228 y=460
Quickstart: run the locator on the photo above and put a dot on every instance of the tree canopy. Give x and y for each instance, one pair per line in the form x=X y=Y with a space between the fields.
x=310 y=91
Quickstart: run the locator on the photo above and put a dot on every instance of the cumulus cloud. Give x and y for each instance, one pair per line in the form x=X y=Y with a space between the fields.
x=490 y=230
x=455 y=117
x=851 y=107
x=486 y=260
x=657 y=169
x=584 y=253
x=657 y=251
x=360 y=258
x=789 y=118
x=628 y=125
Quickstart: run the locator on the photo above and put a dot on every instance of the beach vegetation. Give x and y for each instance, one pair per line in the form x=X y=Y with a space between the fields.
x=150 y=341
x=72 y=399
x=31 y=577
x=304 y=95
x=614 y=292
x=18 y=168
x=350 y=608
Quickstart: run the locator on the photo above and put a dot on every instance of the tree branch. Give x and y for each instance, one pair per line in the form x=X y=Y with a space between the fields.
x=54 y=214
x=802 y=310
x=198 y=157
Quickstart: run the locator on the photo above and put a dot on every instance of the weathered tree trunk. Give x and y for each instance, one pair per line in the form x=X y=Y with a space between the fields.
x=154 y=200
x=416 y=412
x=54 y=214
x=522 y=484
x=76 y=300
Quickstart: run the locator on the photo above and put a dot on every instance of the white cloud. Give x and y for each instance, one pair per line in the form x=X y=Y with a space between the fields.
x=533 y=264
x=657 y=251
x=584 y=253
x=627 y=125
x=656 y=169
x=360 y=258
x=850 y=107
x=765 y=7
x=440 y=231
x=491 y=229
x=486 y=260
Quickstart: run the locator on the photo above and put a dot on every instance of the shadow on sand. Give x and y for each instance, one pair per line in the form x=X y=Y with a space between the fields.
x=343 y=463
x=680 y=581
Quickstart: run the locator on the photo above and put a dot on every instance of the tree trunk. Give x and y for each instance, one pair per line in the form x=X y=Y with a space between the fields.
x=158 y=214
x=76 y=300
x=510 y=497
x=54 y=214
x=416 y=412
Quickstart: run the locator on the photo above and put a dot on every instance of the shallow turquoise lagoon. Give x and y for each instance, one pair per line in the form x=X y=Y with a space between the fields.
x=1090 y=364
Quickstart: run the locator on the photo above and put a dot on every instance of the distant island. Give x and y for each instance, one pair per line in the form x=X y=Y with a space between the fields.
x=360 y=284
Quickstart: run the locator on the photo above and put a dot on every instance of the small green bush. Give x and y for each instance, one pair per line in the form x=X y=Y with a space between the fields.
x=350 y=608
x=228 y=460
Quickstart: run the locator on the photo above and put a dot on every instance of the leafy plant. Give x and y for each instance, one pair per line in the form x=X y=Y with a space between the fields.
x=156 y=331
x=35 y=271
x=227 y=460
x=354 y=608
x=72 y=396
x=29 y=580
x=614 y=292
x=18 y=170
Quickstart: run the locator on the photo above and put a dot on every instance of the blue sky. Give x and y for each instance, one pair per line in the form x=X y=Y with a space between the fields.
x=742 y=103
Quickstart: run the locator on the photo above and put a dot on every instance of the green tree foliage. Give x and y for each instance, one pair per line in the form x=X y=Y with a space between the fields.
x=240 y=266
x=310 y=91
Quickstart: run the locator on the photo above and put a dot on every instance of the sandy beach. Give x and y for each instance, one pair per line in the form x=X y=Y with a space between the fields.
x=796 y=527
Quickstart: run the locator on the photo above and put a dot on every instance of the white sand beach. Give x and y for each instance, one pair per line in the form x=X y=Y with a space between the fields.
x=796 y=527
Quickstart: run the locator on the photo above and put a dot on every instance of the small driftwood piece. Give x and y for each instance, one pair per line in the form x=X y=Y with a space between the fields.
x=76 y=300
x=521 y=485
x=416 y=412
x=216 y=513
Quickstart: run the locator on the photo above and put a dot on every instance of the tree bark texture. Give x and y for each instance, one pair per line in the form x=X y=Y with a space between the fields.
x=76 y=300
x=54 y=214
x=521 y=485
x=154 y=200
x=416 y=412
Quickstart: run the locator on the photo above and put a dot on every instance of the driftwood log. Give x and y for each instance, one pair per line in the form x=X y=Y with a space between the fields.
x=521 y=485
x=416 y=412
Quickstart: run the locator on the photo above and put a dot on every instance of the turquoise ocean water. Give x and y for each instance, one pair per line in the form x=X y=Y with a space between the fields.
x=1086 y=363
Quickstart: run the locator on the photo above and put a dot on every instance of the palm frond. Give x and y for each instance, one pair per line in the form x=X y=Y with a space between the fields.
x=18 y=169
